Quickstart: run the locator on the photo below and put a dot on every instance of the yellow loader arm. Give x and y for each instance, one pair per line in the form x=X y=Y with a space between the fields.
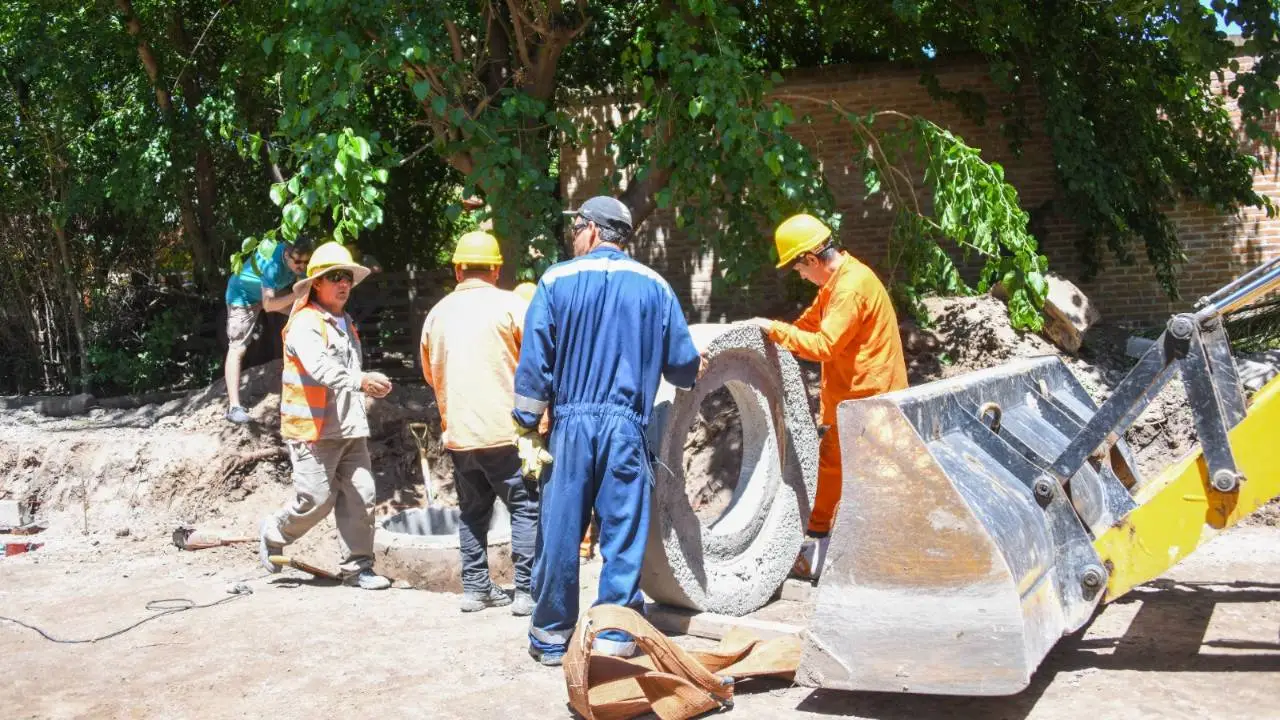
x=1181 y=509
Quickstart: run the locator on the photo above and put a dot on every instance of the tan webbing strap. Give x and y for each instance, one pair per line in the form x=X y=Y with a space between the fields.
x=669 y=681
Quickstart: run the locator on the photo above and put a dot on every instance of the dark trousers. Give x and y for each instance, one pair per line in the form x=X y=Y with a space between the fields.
x=480 y=476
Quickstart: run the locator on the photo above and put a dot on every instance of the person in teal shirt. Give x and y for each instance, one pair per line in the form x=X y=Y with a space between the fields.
x=265 y=282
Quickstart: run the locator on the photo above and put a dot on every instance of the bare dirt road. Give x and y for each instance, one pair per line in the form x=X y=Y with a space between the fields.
x=1202 y=643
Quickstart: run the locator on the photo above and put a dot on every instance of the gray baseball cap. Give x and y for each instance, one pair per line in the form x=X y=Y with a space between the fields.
x=605 y=212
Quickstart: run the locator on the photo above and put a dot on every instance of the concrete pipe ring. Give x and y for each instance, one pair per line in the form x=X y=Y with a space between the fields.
x=732 y=563
x=420 y=547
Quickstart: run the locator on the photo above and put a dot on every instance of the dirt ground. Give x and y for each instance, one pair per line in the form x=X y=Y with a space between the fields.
x=1201 y=643
x=113 y=483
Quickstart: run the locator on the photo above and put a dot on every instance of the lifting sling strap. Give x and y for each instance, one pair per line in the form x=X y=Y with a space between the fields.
x=669 y=681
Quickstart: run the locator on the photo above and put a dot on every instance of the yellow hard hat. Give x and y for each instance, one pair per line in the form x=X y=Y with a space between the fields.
x=526 y=290
x=477 y=248
x=797 y=235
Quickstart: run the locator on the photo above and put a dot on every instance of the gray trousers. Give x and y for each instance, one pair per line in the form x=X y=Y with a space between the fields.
x=332 y=475
x=480 y=476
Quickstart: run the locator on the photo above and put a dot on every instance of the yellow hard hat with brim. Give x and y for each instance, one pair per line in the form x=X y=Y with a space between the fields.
x=329 y=256
x=798 y=235
x=477 y=248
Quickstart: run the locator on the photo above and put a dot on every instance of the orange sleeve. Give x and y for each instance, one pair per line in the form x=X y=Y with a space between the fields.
x=837 y=327
x=517 y=323
x=810 y=319
x=424 y=353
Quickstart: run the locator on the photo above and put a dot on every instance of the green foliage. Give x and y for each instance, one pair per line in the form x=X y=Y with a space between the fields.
x=336 y=193
x=371 y=121
x=971 y=205
x=704 y=121
x=138 y=349
x=1255 y=328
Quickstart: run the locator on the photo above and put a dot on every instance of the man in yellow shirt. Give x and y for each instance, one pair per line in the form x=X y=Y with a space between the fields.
x=470 y=347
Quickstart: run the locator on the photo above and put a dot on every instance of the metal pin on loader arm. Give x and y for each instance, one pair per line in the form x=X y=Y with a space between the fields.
x=1196 y=344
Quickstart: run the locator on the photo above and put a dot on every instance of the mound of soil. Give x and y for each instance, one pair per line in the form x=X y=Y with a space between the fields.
x=149 y=467
x=966 y=334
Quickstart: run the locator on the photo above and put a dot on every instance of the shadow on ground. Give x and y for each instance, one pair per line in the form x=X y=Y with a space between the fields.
x=1166 y=635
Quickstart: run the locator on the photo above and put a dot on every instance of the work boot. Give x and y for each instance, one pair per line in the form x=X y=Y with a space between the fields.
x=268 y=547
x=813 y=553
x=238 y=415
x=546 y=658
x=367 y=579
x=523 y=604
x=493 y=597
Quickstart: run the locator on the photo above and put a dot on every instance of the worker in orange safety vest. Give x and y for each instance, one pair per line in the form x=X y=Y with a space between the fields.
x=323 y=421
x=850 y=328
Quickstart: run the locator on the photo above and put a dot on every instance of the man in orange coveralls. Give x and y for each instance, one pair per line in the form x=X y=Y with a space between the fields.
x=852 y=330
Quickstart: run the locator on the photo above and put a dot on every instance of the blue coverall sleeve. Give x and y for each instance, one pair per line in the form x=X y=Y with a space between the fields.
x=535 y=371
x=680 y=357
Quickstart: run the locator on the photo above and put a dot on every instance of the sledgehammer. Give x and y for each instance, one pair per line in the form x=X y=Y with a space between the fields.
x=304 y=567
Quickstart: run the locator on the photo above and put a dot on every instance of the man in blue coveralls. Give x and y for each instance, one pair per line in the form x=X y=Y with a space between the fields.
x=600 y=333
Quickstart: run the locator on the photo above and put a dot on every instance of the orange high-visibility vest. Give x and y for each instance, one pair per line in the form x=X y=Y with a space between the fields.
x=303 y=400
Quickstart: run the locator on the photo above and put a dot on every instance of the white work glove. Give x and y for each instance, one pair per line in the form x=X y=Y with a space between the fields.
x=532 y=449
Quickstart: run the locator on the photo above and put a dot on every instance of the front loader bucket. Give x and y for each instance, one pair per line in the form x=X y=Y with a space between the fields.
x=947 y=572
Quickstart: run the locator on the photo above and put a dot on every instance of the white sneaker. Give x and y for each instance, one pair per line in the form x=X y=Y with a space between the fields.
x=522 y=605
x=368 y=580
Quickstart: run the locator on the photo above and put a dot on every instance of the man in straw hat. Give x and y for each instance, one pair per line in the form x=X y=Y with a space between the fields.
x=322 y=419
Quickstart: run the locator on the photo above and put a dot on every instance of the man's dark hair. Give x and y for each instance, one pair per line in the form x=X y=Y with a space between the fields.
x=827 y=252
x=302 y=245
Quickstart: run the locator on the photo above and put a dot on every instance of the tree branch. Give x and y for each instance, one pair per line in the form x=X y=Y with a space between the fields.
x=518 y=15
x=641 y=194
x=192 y=57
x=454 y=39
x=522 y=45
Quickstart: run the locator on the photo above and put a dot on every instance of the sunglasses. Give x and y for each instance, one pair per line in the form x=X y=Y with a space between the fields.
x=337 y=276
x=580 y=226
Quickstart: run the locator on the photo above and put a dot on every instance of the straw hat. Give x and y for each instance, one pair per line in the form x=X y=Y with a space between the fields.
x=329 y=256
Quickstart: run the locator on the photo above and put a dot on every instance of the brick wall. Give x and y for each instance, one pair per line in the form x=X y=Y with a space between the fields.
x=1218 y=247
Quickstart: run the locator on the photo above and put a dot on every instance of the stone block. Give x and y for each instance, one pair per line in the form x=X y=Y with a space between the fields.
x=1068 y=313
x=1136 y=347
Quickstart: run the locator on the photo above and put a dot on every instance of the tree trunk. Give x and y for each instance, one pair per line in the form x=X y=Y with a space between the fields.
x=206 y=179
x=197 y=241
x=74 y=305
